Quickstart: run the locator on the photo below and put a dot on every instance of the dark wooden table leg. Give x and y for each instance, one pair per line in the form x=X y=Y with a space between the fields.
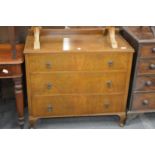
x=19 y=100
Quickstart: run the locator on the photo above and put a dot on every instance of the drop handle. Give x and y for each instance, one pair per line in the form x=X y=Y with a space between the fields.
x=109 y=84
x=106 y=104
x=48 y=65
x=49 y=108
x=148 y=83
x=145 y=102
x=49 y=86
x=110 y=63
x=152 y=66
x=153 y=50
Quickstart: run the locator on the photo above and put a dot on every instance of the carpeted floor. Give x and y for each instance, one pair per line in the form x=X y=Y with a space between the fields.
x=8 y=120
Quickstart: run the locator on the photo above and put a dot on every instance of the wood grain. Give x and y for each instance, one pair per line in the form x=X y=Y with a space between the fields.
x=78 y=42
x=88 y=77
x=97 y=61
x=11 y=67
x=145 y=83
x=144 y=67
x=7 y=71
x=141 y=97
x=6 y=54
x=78 y=82
x=143 y=101
x=76 y=105
x=148 y=51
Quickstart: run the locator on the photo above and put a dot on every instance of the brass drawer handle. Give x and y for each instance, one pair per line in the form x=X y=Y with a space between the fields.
x=109 y=84
x=145 y=102
x=110 y=63
x=148 y=83
x=49 y=86
x=49 y=108
x=153 y=50
x=48 y=65
x=152 y=66
x=106 y=104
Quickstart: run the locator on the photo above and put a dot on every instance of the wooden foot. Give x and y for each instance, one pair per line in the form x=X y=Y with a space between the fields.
x=19 y=100
x=122 y=120
x=32 y=122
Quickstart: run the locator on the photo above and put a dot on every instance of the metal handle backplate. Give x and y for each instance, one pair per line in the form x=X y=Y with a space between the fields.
x=48 y=65
x=106 y=104
x=49 y=86
x=49 y=108
x=109 y=84
x=110 y=63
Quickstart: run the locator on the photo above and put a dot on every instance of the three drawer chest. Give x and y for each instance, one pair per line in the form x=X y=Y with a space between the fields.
x=142 y=94
x=76 y=72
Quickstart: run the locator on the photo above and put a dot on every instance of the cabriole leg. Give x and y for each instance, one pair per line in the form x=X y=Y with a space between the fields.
x=122 y=119
x=32 y=122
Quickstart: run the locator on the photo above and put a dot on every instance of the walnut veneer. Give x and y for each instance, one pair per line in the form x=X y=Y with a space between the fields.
x=77 y=73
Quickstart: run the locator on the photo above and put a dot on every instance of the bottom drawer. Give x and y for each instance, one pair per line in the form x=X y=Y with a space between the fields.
x=143 y=101
x=76 y=105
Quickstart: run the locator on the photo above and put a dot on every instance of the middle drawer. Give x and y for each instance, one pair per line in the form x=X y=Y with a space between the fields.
x=145 y=83
x=78 y=82
x=146 y=66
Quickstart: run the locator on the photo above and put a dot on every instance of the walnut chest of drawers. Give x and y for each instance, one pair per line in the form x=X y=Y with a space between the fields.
x=77 y=73
x=142 y=95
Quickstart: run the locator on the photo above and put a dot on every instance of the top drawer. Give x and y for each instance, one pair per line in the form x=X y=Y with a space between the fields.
x=148 y=51
x=78 y=61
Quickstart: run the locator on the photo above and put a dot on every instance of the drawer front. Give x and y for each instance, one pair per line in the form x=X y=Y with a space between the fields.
x=10 y=70
x=146 y=67
x=148 y=51
x=74 y=105
x=78 y=82
x=145 y=83
x=143 y=101
x=78 y=61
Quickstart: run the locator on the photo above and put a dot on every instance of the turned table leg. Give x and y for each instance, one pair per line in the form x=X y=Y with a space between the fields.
x=19 y=100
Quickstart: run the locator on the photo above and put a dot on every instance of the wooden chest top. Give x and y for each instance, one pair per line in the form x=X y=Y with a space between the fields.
x=55 y=41
x=141 y=35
